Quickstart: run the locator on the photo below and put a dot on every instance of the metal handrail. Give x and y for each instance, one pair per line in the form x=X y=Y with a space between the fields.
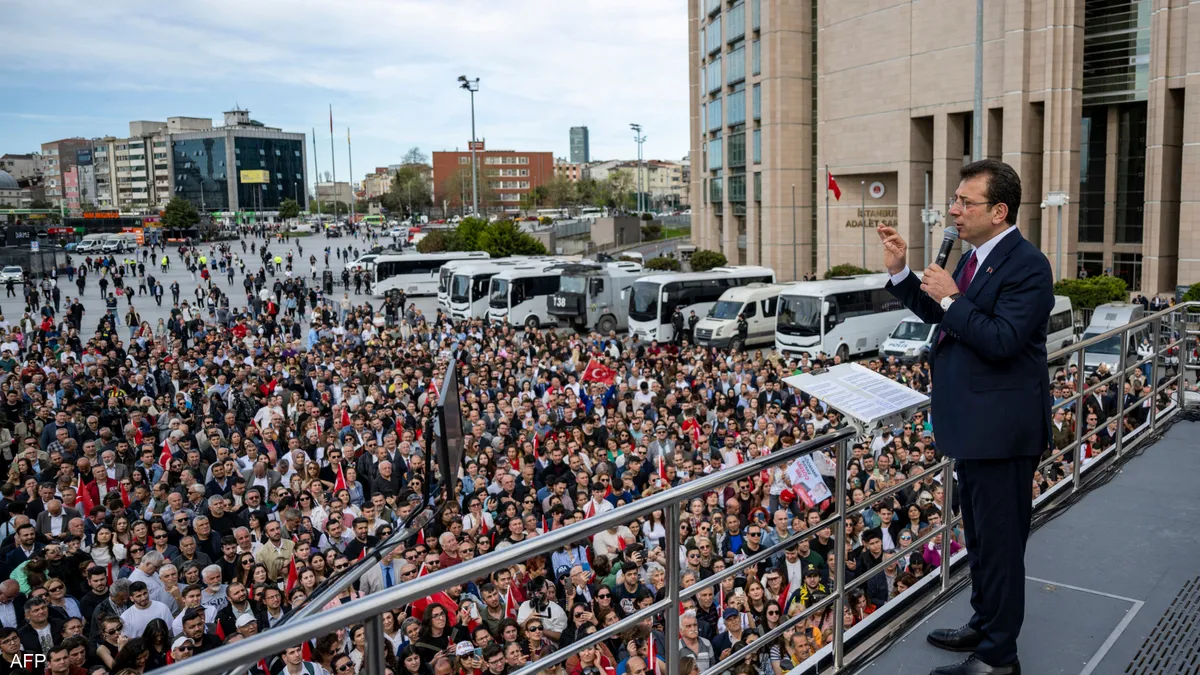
x=368 y=608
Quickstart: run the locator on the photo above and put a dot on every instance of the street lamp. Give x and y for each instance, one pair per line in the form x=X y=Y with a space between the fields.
x=472 y=86
x=639 y=138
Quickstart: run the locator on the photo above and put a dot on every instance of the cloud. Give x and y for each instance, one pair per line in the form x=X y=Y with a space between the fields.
x=387 y=66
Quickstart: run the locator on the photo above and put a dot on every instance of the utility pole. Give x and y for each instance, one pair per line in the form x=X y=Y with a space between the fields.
x=639 y=138
x=316 y=177
x=333 y=161
x=350 y=157
x=863 y=198
x=977 y=118
x=472 y=86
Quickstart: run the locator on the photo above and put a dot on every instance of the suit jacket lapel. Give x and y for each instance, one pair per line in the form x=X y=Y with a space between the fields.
x=995 y=259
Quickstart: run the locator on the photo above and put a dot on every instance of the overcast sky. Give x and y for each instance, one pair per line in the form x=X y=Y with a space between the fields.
x=388 y=67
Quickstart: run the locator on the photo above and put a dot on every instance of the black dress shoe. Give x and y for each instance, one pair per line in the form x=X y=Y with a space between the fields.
x=964 y=639
x=973 y=666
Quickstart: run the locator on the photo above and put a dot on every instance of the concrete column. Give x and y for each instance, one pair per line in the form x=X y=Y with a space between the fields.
x=1166 y=117
x=1111 y=141
x=948 y=132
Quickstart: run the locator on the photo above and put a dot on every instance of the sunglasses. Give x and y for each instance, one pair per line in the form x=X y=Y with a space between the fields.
x=534 y=628
x=603 y=596
x=185 y=648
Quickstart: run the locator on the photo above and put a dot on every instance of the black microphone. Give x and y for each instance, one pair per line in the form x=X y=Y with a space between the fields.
x=948 y=238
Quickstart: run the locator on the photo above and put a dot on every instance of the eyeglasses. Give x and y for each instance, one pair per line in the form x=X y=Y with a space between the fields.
x=957 y=200
x=56 y=588
x=113 y=631
x=772 y=612
x=534 y=628
x=754 y=534
x=603 y=596
x=341 y=567
x=184 y=648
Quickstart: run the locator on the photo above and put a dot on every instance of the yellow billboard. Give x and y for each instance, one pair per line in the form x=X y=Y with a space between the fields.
x=255 y=176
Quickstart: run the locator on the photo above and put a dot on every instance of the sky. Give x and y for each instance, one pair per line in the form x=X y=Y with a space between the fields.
x=388 y=67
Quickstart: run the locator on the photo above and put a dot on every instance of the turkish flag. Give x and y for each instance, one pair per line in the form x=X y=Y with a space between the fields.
x=124 y=496
x=345 y=417
x=832 y=185
x=340 y=483
x=598 y=372
x=292 y=577
x=164 y=458
x=421 y=537
x=83 y=498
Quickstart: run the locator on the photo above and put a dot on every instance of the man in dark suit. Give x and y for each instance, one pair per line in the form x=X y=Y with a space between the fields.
x=991 y=398
x=40 y=632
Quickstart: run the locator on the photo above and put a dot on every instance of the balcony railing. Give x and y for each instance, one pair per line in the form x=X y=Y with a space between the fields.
x=1174 y=332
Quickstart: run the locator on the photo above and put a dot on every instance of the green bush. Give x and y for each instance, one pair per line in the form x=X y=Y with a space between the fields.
x=647 y=216
x=504 y=238
x=652 y=231
x=846 y=270
x=1193 y=293
x=704 y=260
x=662 y=264
x=434 y=242
x=1091 y=292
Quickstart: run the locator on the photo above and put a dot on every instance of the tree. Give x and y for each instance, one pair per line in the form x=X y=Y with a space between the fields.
x=468 y=234
x=652 y=230
x=703 y=260
x=1193 y=293
x=409 y=190
x=456 y=190
x=561 y=192
x=414 y=156
x=663 y=264
x=40 y=204
x=846 y=270
x=504 y=238
x=289 y=209
x=1091 y=292
x=434 y=242
x=180 y=214
x=619 y=190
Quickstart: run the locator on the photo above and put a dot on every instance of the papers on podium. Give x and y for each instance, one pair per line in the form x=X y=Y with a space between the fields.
x=865 y=397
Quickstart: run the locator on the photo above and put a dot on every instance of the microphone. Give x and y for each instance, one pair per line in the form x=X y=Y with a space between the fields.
x=948 y=238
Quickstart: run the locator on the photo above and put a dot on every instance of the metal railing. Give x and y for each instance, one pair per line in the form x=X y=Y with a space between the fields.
x=1165 y=402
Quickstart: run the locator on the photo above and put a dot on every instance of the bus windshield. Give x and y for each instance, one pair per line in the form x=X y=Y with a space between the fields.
x=1111 y=346
x=499 y=298
x=799 y=315
x=643 y=301
x=912 y=330
x=573 y=285
x=460 y=288
x=725 y=309
x=444 y=280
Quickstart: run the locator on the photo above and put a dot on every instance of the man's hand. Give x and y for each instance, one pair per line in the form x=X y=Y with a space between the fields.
x=895 y=250
x=937 y=283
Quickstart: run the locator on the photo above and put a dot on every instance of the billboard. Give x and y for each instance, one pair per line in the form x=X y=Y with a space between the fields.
x=255 y=176
x=83 y=157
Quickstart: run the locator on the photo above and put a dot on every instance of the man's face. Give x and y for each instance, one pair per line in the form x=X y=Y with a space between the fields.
x=141 y=598
x=26 y=536
x=59 y=662
x=98 y=583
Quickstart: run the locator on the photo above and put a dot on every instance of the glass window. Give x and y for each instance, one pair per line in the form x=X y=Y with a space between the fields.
x=1090 y=264
x=1128 y=266
x=737 y=188
x=756 y=143
x=714 y=36
x=714 y=75
x=1131 y=173
x=755 y=14
x=755 y=58
x=1094 y=134
x=735 y=28
x=716 y=157
x=736 y=65
x=737 y=152
x=714 y=114
x=735 y=108
x=716 y=192
x=758 y=188
x=756 y=102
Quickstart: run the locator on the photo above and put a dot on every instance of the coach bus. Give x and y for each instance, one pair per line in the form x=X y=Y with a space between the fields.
x=653 y=300
x=415 y=273
x=843 y=316
x=470 y=283
x=518 y=295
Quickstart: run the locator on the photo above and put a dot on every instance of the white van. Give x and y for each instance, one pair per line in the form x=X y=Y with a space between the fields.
x=913 y=339
x=518 y=295
x=758 y=302
x=1110 y=317
x=91 y=243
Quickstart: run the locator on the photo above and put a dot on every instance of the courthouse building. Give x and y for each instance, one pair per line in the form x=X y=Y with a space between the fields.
x=1085 y=97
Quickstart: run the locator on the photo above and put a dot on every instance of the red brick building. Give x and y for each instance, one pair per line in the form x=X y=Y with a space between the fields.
x=504 y=177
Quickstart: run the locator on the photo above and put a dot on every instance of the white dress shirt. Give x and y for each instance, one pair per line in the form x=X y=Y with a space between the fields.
x=980 y=252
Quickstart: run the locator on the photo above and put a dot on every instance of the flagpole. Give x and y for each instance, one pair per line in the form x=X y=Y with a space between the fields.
x=350 y=152
x=333 y=162
x=828 y=254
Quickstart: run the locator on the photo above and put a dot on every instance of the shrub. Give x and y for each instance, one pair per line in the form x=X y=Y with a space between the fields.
x=504 y=238
x=652 y=231
x=1193 y=293
x=703 y=260
x=1091 y=292
x=662 y=264
x=647 y=216
x=434 y=242
x=846 y=270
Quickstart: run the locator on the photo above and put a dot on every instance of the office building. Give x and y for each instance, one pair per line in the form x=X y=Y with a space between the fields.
x=581 y=151
x=240 y=166
x=57 y=158
x=569 y=170
x=328 y=192
x=504 y=177
x=1083 y=97
x=133 y=174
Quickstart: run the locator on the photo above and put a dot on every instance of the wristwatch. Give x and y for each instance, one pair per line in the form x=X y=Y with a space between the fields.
x=949 y=299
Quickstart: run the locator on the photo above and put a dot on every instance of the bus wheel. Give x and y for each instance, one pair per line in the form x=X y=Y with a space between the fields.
x=843 y=353
x=606 y=325
x=531 y=323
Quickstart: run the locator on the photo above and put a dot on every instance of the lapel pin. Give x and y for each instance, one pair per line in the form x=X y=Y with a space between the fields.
x=989 y=270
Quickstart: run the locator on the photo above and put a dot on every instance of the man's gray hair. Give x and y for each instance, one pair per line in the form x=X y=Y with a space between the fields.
x=216 y=498
x=216 y=569
x=122 y=586
x=153 y=557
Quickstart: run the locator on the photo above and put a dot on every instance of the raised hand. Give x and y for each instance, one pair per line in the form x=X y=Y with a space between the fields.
x=895 y=249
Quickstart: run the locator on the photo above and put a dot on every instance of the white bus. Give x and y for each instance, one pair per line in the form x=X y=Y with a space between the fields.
x=444 y=276
x=414 y=273
x=653 y=299
x=844 y=316
x=467 y=292
x=556 y=214
x=518 y=296
x=592 y=213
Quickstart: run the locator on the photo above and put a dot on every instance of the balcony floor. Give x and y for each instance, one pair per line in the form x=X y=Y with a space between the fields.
x=1101 y=576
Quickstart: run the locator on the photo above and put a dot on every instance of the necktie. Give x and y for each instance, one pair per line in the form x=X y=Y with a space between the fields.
x=387 y=576
x=963 y=282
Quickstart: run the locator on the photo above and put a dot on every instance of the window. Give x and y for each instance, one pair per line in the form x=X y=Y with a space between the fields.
x=735 y=29
x=1131 y=173
x=756 y=146
x=467 y=160
x=736 y=65
x=755 y=58
x=737 y=188
x=1059 y=322
x=713 y=75
x=735 y=108
x=714 y=114
x=756 y=102
x=1128 y=266
x=1093 y=134
x=737 y=151
x=758 y=188
x=1090 y=264
x=862 y=303
x=713 y=36
x=755 y=14
x=716 y=192
x=716 y=158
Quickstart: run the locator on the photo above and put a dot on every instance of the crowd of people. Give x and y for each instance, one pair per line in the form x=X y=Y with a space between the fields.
x=171 y=489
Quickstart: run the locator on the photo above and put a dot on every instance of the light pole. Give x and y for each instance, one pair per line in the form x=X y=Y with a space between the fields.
x=863 y=199
x=639 y=138
x=472 y=86
x=1057 y=199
